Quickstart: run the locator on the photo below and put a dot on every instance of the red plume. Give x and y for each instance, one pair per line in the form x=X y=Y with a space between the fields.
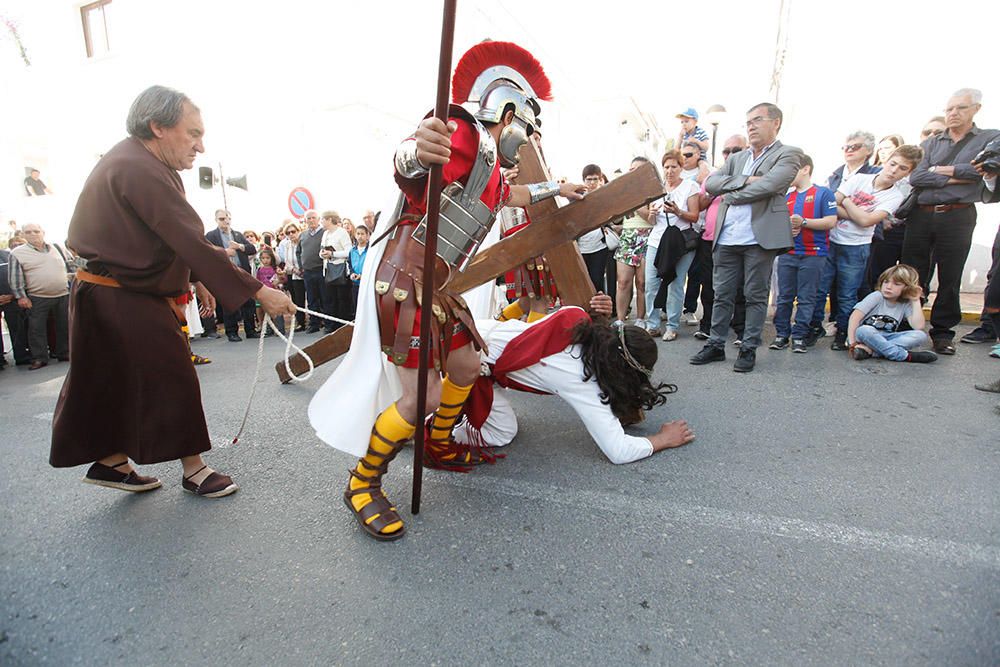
x=490 y=54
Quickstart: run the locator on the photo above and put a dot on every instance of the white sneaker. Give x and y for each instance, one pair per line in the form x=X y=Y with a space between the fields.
x=690 y=319
x=669 y=335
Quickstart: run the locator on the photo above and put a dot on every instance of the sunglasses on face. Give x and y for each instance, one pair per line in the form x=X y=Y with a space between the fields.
x=731 y=151
x=930 y=133
x=688 y=155
x=850 y=148
x=222 y=219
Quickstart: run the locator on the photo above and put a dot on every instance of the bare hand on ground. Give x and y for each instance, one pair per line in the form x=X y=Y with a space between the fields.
x=672 y=434
x=275 y=302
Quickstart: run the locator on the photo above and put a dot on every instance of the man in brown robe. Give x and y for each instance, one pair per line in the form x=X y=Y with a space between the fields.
x=131 y=392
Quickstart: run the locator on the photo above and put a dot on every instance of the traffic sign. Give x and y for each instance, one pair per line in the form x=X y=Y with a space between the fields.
x=299 y=201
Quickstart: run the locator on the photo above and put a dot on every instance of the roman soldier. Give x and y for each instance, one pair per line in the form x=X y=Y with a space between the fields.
x=500 y=85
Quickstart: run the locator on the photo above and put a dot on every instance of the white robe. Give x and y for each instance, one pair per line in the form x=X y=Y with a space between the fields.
x=365 y=383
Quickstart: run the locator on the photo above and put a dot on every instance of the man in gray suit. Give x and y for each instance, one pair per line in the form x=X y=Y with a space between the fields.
x=753 y=228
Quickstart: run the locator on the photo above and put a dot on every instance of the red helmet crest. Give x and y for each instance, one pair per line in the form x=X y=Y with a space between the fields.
x=498 y=54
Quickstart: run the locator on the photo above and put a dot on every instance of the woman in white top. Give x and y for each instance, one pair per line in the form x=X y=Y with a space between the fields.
x=335 y=247
x=679 y=208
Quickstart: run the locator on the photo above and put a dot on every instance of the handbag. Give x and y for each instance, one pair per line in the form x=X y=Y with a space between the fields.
x=335 y=274
x=612 y=240
x=906 y=209
x=691 y=237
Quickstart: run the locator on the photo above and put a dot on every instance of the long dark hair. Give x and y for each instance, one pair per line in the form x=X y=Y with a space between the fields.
x=627 y=390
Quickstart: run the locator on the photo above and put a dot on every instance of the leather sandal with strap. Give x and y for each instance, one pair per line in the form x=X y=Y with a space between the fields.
x=111 y=477
x=379 y=507
x=215 y=485
x=454 y=456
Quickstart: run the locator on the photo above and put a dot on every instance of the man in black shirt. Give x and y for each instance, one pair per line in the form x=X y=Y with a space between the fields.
x=33 y=185
x=940 y=228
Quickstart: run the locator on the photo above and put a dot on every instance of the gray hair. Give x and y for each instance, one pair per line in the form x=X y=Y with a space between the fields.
x=867 y=138
x=156 y=104
x=974 y=93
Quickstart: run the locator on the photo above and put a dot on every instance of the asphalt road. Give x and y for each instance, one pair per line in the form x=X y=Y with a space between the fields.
x=829 y=513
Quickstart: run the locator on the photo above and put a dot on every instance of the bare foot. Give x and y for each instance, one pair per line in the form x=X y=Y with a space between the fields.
x=672 y=434
x=865 y=348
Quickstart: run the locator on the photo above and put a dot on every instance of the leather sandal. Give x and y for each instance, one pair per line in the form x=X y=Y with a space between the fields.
x=111 y=477
x=379 y=504
x=199 y=360
x=456 y=457
x=379 y=507
x=215 y=485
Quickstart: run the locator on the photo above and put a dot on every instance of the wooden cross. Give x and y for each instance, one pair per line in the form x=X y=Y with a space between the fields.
x=551 y=233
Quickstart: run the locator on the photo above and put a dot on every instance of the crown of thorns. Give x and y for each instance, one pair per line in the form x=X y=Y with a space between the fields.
x=629 y=359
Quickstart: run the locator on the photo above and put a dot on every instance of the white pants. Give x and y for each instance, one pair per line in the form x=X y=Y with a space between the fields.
x=501 y=425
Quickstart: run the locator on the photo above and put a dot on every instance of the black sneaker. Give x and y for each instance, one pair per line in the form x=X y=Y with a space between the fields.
x=745 y=362
x=701 y=335
x=921 y=357
x=779 y=343
x=839 y=343
x=979 y=335
x=799 y=345
x=708 y=354
x=816 y=332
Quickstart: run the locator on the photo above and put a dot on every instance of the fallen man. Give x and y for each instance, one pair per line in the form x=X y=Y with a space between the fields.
x=603 y=372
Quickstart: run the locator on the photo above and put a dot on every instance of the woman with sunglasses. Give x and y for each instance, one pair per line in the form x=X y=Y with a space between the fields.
x=289 y=260
x=692 y=166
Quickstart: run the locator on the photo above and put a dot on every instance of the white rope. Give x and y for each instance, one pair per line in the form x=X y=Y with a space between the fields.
x=289 y=346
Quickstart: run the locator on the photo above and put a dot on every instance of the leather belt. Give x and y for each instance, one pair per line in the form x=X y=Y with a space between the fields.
x=942 y=208
x=176 y=303
x=88 y=277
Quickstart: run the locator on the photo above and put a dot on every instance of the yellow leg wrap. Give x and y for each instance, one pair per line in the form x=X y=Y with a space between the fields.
x=534 y=316
x=512 y=312
x=391 y=426
x=452 y=399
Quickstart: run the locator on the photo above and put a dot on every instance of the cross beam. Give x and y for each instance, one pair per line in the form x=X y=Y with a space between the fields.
x=550 y=229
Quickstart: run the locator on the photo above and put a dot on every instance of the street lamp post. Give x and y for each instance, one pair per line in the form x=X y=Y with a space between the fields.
x=714 y=115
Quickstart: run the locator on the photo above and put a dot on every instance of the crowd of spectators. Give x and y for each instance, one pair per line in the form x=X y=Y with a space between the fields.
x=868 y=238
x=318 y=261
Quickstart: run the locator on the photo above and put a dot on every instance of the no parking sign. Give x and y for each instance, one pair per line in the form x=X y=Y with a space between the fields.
x=299 y=201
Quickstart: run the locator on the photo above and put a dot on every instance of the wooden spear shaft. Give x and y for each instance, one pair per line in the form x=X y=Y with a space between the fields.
x=430 y=251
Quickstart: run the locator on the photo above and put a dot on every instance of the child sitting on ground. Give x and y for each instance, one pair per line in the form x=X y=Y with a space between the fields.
x=873 y=328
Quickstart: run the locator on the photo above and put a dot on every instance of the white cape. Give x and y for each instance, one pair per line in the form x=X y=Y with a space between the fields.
x=365 y=383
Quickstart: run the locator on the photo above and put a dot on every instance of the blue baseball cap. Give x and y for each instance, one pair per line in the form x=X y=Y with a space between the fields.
x=689 y=112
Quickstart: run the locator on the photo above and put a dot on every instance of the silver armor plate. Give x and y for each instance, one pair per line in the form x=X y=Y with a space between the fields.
x=464 y=219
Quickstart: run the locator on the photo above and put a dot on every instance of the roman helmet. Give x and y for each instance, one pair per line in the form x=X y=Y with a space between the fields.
x=493 y=77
